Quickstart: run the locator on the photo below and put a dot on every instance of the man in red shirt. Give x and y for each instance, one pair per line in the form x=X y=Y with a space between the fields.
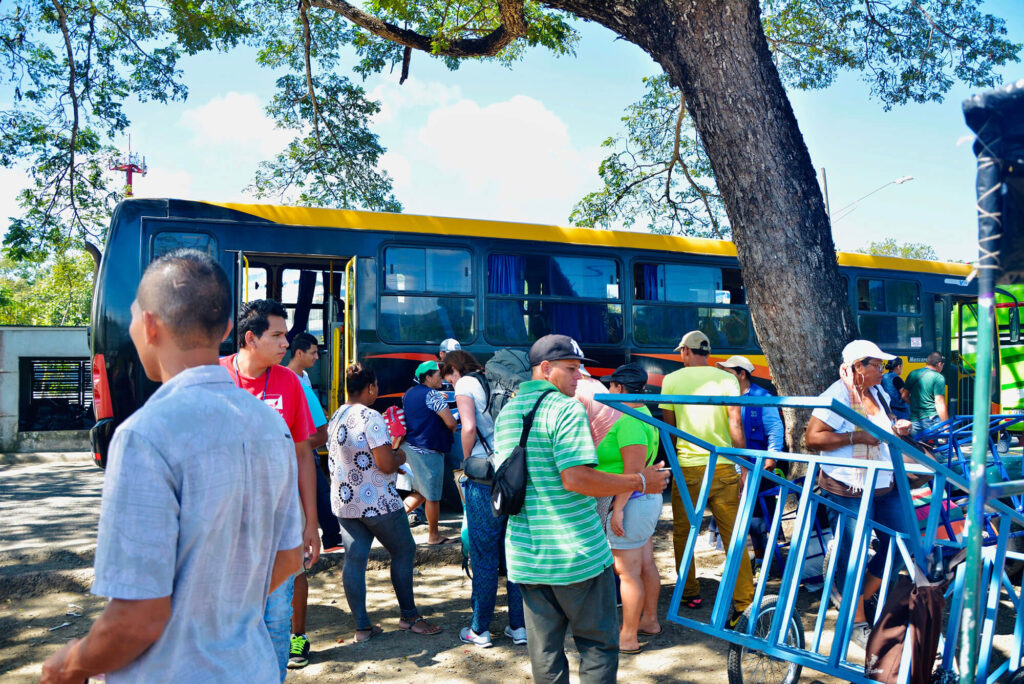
x=262 y=337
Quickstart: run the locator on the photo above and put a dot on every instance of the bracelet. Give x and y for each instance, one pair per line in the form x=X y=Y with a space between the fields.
x=851 y=438
x=643 y=483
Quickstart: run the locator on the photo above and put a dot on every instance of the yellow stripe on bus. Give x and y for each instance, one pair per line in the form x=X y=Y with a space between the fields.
x=435 y=225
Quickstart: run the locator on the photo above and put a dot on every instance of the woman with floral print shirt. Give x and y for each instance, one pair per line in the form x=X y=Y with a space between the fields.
x=363 y=496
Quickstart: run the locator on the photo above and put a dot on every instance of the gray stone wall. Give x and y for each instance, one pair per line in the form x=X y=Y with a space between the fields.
x=17 y=342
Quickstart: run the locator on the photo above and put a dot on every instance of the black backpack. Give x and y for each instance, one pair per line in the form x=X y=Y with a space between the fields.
x=508 y=488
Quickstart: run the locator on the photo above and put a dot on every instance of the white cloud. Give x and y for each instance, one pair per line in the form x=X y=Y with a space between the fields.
x=511 y=160
x=237 y=120
x=12 y=181
x=413 y=94
x=399 y=168
x=163 y=183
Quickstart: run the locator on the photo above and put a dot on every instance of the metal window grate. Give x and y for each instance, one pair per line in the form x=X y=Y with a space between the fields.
x=56 y=394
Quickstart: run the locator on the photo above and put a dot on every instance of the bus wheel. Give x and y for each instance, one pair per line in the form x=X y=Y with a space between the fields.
x=748 y=665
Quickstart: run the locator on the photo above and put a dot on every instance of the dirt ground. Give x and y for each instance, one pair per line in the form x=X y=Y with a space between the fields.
x=39 y=616
x=47 y=531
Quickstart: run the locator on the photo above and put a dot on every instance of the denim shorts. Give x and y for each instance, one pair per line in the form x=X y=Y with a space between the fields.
x=427 y=472
x=639 y=519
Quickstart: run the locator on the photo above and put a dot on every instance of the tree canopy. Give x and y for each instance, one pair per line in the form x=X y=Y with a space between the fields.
x=71 y=66
x=906 y=250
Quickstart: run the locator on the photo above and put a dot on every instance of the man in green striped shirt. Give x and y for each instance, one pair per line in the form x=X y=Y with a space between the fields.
x=555 y=547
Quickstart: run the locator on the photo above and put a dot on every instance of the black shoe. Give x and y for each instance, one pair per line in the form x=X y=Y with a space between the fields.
x=298 y=656
x=734 y=619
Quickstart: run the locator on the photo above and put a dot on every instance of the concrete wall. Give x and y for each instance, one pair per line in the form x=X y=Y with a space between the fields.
x=35 y=342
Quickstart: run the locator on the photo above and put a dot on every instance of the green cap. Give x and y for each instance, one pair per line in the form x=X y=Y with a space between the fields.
x=426 y=367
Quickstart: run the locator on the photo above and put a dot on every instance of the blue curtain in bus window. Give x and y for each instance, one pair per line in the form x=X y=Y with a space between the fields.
x=649 y=280
x=585 y=324
x=505 y=275
x=303 y=303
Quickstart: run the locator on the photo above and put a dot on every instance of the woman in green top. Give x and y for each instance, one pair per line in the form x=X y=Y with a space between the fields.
x=630 y=446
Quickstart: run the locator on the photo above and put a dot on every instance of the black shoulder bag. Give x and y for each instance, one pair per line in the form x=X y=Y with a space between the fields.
x=508 y=489
x=476 y=468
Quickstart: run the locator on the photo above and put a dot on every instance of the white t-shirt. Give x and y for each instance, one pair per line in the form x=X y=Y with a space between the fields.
x=853 y=476
x=468 y=386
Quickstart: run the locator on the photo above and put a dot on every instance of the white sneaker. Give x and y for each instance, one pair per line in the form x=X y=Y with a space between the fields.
x=518 y=635
x=468 y=636
x=859 y=634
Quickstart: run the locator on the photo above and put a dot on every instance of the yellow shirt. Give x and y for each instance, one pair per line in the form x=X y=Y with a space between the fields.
x=709 y=423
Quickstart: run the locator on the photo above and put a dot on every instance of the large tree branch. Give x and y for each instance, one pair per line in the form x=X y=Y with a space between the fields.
x=512 y=26
x=678 y=159
x=62 y=18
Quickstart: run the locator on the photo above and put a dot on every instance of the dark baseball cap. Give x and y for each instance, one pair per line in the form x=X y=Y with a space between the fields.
x=556 y=348
x=630 y=375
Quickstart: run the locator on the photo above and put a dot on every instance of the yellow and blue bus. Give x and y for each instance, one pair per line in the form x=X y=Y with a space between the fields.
x=386 y=289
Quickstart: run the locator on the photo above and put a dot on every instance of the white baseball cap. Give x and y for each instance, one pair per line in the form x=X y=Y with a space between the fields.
x=737 y=362
x=450 y=345
x=864 y=349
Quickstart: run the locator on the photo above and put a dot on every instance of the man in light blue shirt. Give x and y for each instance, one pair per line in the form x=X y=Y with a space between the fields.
x=200 y=513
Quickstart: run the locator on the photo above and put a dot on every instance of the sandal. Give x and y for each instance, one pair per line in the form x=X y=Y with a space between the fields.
x=693 y=602
x=427 y=629
x=369 y=633
x=645 y=633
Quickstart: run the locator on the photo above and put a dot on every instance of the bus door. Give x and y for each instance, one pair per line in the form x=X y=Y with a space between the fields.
x=312 y=290
x=342 y=336
x=963 y=360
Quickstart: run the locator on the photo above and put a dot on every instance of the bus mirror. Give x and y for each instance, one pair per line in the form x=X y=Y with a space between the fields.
x=1015 y=325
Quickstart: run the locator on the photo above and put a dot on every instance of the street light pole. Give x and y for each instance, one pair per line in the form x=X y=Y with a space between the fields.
x=853 y=205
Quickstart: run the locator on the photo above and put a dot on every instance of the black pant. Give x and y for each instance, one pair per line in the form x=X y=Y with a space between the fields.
x=330 y=532
x=589 y=608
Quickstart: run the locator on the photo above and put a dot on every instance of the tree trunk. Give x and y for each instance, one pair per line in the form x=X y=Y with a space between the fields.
x=716 y=52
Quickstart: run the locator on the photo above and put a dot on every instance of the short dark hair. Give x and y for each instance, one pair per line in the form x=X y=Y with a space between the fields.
x=700 y=352
x=935 y=358
x=459 y=360
x=358 y=378
x=893 y=364
x=254 y=317
x=189 y=291
x=303 y=341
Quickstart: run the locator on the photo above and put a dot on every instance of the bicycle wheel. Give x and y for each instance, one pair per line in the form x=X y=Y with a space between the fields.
x=751 y=666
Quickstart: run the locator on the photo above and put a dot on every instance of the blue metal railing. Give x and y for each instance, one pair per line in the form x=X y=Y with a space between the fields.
x=919 y=550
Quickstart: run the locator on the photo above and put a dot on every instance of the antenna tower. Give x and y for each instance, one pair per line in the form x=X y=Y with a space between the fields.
x=129 y=165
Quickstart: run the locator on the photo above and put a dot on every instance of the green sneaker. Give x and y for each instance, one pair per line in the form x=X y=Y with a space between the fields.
x=298 y=656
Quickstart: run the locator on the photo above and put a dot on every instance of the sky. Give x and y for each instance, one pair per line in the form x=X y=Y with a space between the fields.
x=524 y=143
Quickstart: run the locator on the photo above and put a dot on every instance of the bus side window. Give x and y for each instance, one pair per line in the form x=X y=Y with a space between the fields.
x=678 y=297
x=167 y=242
x=532 y=295
x=427 y=295
x=890 y=313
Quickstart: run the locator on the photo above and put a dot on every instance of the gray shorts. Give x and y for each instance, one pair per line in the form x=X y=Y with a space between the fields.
x=639 y=519
x=427 y=472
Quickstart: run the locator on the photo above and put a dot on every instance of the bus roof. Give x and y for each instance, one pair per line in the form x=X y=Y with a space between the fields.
x=435 y=225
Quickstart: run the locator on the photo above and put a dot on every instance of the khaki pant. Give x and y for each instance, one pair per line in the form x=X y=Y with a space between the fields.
x=723 y=501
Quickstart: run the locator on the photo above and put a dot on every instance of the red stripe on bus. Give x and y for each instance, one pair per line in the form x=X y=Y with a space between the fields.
x=410 y=356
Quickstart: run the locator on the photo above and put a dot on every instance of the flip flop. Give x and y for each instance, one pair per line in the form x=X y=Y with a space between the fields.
x=444 y=540
x=693 y=602
x=373 y=631
x=428 y=629
x=650 y=634
x=632 y=651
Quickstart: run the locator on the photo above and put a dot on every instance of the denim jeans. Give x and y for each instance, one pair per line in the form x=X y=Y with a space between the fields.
x=486 y=544
x=919 y=426
x=392 y=531
x=278 y=618
x=885 y=510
